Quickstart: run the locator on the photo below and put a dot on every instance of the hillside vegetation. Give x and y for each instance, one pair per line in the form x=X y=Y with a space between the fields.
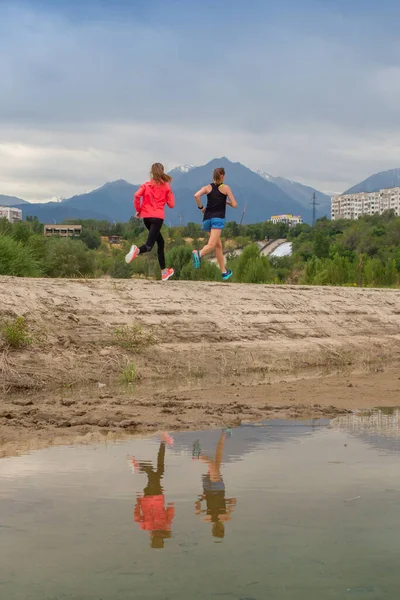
x=356 y=253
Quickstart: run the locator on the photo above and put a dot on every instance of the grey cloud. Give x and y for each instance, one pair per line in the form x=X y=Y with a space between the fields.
x=94 y=101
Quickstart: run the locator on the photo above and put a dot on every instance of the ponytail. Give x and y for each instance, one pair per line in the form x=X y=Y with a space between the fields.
x=158 y=174
x=218 y=175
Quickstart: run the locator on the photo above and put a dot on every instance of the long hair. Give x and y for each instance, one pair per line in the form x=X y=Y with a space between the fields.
x=158 y=175
x=218 y=175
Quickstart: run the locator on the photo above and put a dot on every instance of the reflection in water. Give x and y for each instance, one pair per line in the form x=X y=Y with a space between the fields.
x=382 y=422
x=150 y=510
x=330 y=531
x=218 y=508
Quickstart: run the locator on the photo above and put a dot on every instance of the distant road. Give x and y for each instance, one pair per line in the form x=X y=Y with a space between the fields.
x=284 y=249
x=266 y=249
x=270 y=248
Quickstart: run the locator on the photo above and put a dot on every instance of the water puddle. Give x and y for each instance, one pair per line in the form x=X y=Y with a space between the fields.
x=284 y=510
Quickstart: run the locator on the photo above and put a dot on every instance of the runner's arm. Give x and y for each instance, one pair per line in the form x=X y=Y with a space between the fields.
x=204 y=190
x=197 y=505
x=231 y=198
x=137 y=197
x=170 y=198
x=137 y=513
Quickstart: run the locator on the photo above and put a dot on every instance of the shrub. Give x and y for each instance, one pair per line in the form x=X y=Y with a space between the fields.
x=15 y=333
x=66 y=257
x=118 y=268
x=178 y=258
x=21 y=231
x=253 y=268
x=207 y=272
x=16 y=259
x=91 y=238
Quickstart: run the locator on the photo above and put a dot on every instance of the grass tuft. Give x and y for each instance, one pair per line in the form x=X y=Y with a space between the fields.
x=130 y=374
x=15 y=333
x=134 y=338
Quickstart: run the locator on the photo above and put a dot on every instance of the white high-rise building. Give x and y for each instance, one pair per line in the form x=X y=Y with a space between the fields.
x=11 y=214
x=291 y=220
x=352 y=206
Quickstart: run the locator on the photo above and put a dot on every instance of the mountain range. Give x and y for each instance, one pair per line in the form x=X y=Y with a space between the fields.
x=258 y=193
x=259 y=196
x=379 y=181
x=11 y=201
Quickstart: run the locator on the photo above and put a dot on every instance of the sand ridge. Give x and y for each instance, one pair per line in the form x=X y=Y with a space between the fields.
x=260 y=348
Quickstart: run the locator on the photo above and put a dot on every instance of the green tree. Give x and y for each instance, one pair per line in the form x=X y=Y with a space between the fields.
x=321 y=245
x=37 y=245
x=251 y=267
x=35 y=225
x=231 y=230
x=21 y=231
x=16 y=259
x=178 y=257
x=66 y=257
x=5 y=226
x=91 y=238
x=192 y=230
x=119 y=269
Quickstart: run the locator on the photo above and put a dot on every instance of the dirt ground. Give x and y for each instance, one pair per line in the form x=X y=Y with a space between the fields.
x=111 y=358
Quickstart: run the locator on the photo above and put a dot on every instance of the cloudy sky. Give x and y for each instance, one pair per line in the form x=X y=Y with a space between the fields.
x=94 y=90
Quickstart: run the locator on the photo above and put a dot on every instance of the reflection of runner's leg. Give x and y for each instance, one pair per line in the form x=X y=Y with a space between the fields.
x=161 y=460
x=135 y=465
x=168 y=439
x=196 y=450
x=146 y=468
x=219 y=451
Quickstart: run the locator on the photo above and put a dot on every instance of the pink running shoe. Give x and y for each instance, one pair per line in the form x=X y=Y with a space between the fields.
x=166 y=274
x=132 y=254
x=167 y=439
x=135 y=466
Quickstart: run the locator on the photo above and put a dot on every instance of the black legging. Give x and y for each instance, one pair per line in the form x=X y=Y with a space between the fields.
x=154 y=487
x=154 y=226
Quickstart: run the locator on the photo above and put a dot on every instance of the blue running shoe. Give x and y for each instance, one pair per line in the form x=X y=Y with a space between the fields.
x=196 y=259
x=227 y=275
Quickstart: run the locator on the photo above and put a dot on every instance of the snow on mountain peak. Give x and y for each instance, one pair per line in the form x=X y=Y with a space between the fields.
x=275 y=180
x=263 y=174
x=185 y=168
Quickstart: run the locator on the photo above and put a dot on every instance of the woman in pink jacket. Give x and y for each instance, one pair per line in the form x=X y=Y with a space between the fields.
x=149 y=202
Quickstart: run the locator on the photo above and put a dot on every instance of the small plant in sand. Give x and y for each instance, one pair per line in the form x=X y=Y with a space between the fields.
x=134 y=338
x=130 y=374
x=15 y=333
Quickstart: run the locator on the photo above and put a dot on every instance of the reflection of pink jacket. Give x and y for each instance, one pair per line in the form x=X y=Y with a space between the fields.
x=155 y=197
x=152 y=515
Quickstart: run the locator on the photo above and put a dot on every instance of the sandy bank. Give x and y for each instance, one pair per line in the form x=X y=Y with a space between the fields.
x=203 y=353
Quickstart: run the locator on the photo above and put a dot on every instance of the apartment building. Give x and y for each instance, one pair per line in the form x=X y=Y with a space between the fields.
x=62 y=230
x=352 y=206
x=11 y=214
x=291 y=220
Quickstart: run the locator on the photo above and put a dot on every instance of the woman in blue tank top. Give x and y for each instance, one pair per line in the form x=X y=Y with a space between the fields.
x=219 y=195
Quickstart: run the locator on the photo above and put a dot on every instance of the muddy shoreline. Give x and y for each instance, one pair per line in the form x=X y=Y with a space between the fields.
x=30 y=423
